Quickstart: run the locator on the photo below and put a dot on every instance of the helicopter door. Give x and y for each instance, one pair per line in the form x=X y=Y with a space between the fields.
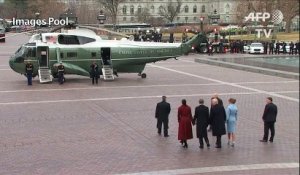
x=44 y=72
x=107 y=69
x=43 y=56
x=105 y=55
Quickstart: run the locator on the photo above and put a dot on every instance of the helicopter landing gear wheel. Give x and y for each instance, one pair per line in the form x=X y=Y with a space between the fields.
x=144 y=75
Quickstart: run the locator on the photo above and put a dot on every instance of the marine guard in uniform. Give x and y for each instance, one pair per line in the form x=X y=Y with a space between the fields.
x=29 y=72
x=61 y=72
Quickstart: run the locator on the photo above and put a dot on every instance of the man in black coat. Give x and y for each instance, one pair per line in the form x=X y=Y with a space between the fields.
x=220 y=102
x=217 y=120
x=297 y=51
x=266 y=44
x=171 y=39
x=201 y=118
x=269 y=118
x=277 y=47
x=162 y=115
x=94 y=73
x=292 y=48
x=284 y=48
x=271 y=46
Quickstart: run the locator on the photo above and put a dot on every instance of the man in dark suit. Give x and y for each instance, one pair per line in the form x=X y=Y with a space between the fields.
x=269 y=118
x=217 y=120
x=271 y=46
x=201 y=118
x=94 y=73
x=162 y=115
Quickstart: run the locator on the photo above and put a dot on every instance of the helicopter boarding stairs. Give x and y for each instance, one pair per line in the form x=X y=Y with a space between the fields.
x=107 y=72
x=45 y=75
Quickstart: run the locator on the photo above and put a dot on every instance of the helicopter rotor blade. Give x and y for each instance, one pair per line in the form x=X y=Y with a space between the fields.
x=16 y=34
x=105 y=30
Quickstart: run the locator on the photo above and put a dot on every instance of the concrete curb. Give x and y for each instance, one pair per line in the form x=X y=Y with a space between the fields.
x=266 y=71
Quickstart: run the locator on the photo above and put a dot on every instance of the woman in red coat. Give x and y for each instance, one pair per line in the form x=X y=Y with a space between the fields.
x=185 y=123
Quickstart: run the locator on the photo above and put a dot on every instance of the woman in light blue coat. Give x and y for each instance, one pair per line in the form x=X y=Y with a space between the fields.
x=231 y=118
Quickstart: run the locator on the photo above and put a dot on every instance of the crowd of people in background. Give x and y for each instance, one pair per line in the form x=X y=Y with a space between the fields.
x=239 y=47
x=233 y=46
x=222 y=120
x=155 y=36
x=152 y=36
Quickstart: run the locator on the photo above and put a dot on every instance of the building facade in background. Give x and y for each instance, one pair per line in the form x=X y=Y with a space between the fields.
x=191 y=10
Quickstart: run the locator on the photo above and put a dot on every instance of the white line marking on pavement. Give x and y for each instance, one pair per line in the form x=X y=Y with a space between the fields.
x=220 y=169
x=286 y=92
x=188 y=61
x=227 y=83
x=142 y=86
x=267 y=82
x=122 y=98
x=111 y=87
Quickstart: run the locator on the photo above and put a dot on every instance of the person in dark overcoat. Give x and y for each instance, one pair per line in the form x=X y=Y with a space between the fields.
x=269 y=118
x=277 y=47
x=201 y=118
x=94 y=73
x=217 y=121
x=171 y=39
x=271 y=46
x=297 y=51
x=284 y=47
x=162 y=112
x=292 y=48
x=220 y=102
x=185 y=120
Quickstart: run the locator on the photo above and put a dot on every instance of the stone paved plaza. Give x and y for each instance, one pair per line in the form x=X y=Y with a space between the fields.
x=81 y=129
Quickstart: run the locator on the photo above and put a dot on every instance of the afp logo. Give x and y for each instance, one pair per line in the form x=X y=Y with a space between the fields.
x=277 y=17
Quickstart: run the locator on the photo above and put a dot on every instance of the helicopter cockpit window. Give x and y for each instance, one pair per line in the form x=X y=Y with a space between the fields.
x=74 y=40
x=30 y=52
x=18 y=50
x=19 y=54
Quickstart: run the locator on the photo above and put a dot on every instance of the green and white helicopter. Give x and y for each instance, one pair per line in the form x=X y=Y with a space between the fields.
x=76 y=49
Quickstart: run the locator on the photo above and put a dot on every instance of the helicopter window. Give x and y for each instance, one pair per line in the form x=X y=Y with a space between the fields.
x=68 y=40
x=85 y=40
x=74 y=40
x=31 y=52
x=71 y=54
x=19 y=60
x=61 y=55
x=18 y=50
x=30 y=44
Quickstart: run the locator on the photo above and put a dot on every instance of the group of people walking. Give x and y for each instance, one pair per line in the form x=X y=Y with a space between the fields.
x=219 y=118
